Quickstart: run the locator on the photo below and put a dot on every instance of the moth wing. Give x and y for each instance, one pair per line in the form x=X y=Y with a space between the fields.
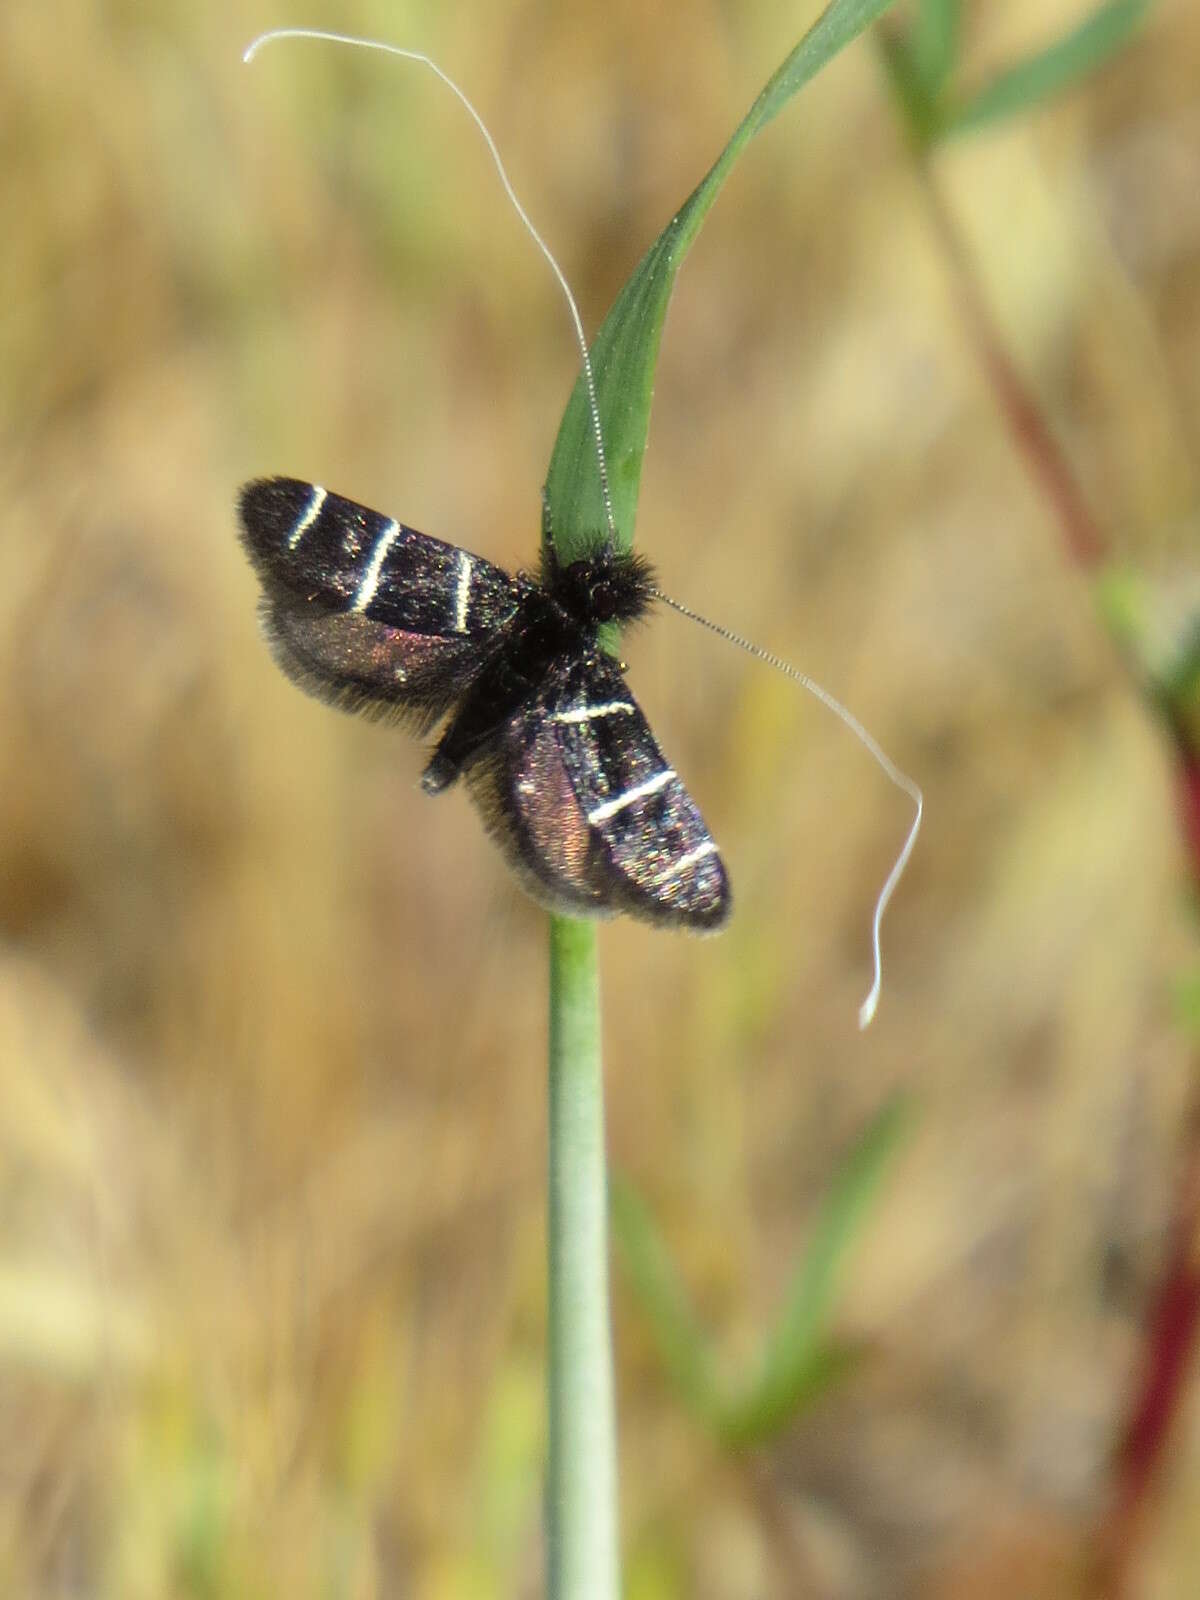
x=364 y=612
x=578 y=794
x=358 y=665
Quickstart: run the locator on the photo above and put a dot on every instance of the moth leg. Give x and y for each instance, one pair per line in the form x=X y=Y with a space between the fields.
x=485 y=710
x=464 y=737
x=441 y=771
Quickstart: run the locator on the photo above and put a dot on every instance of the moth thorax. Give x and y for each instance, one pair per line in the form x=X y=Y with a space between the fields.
x=609 y=586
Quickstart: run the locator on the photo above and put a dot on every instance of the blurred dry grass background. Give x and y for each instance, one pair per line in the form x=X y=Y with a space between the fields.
x=272 y=1024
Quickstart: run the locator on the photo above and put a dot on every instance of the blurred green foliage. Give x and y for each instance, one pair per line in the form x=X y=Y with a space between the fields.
x=923 y=62
x=799 y=1361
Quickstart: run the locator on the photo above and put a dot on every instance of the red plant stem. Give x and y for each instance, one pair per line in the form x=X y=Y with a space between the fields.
x=1173 y=1324
x=1047 y=464
x=1165 y=1367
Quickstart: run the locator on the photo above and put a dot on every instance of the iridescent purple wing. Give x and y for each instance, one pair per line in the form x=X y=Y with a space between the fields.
x=577 y=792
x=364 y=612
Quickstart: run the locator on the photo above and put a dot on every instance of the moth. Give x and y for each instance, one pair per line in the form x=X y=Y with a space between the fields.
x=533 y=713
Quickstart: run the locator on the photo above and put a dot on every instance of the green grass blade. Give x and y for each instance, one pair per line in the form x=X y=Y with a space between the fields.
x=799 y=1361
x=1123 y=603
x=935 y=43
x=625 y=351
x=1057 y=67
x=1181 y=683
x=786 y=1376
x=1185 y=1004
x=761 y=1415
x=919 y=109
x=581 y=1472
x=681 y=1343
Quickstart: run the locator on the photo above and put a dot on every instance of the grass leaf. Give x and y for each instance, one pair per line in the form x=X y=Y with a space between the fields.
x=681 y=1343
x=935 y=43
x=625 y=351
x=1186 y=1003
x=1057 y=67
x=918 y=109
x=793 y=1358
x=799 y=1361
x=763 y=1412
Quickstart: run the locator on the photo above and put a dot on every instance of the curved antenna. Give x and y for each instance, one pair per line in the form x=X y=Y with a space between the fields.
x=589 y=376
x=866 y=1012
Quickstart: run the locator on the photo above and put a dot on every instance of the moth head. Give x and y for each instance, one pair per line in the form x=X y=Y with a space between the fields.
x=608 y=586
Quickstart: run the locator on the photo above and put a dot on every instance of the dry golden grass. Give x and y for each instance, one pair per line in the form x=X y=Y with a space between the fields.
x=272 y=1024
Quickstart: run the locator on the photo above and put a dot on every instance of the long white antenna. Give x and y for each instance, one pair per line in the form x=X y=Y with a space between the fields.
x=866 y=1011
x=589 y=376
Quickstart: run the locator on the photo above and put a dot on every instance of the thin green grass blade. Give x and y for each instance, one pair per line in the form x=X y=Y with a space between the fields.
x=625 y=351
x=682 y=1345
x=1057 y=67
x=787 y=1374
x=799 y=1362
x=935 y=43
x=919 y=109
x=760 y=1416
x=1185 y=1004
x=1181 y=683
x=1121 y=596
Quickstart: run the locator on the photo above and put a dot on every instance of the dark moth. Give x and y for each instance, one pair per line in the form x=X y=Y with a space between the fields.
x=535 y=715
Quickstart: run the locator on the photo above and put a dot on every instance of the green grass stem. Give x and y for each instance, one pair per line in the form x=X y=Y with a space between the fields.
x=581 y=1478
x=581 y=1487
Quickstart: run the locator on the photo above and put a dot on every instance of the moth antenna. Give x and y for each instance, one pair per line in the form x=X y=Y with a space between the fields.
x=589 y=376
x=866 y=1012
